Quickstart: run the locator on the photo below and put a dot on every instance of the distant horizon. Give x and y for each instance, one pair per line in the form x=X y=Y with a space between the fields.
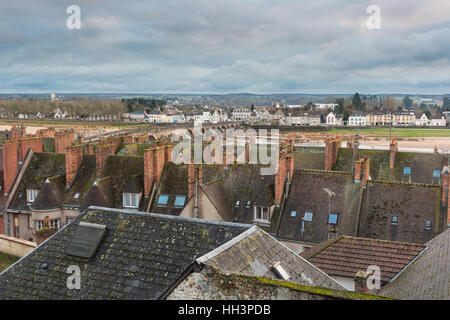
x=222 y=94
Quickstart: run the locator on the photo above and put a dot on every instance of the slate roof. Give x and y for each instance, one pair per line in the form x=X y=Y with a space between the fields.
x=51 y=194
x=309 y=160
x=345 y=256
x=421 y=164
x=83 y=180
x=306 y=194
x=254 y=252
x=219 y=198
x=41 y=167
x=412 y=204
x=140 y=257
x=428 y=277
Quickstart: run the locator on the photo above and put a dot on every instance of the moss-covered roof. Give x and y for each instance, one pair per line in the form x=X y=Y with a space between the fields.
x=83 y=180
x=41 y=167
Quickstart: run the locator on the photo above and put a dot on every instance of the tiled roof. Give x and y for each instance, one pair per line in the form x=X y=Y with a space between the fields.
x=307 y=194
x=84 y=178
x=140 y=256
x=412 y=204
x=41 y=167
x=427 y=278
x=254 y=252
x=345 y=256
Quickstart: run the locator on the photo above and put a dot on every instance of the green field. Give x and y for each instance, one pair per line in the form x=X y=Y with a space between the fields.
x=396 y=132
x=6 y=260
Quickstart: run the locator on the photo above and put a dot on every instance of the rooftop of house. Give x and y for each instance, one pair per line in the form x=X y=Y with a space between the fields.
x=257 y=189
x=239 y=287
x=427 y=278
x=345 y=256
x=83 y=181
x=422 y=165
x=401 y=212
x=308 y=206
x=254 y=252
x=41 y=167
x=140 y=256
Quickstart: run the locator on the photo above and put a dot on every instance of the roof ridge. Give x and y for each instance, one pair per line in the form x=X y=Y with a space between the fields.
x=166 y=216
x=384 y=240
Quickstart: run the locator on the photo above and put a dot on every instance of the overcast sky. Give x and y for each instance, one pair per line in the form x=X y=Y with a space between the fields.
x=209 y=46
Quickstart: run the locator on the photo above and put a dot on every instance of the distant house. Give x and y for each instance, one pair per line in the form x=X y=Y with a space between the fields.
x=58 y=114
x=331 y=119
x=356 y=119
x=241 y=114
x=438 y=122
x=138 y=115
x=422 y=121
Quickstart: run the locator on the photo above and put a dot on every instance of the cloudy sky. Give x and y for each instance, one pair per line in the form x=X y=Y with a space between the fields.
x=212 y=46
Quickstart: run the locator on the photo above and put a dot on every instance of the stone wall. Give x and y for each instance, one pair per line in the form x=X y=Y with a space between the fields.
x=14 y=246
x=209 y=285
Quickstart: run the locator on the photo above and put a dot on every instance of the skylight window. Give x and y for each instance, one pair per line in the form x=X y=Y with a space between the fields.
x=436 y=173
x=407 y=171
x=427 y=225
x=162 y=200
x=333 y=218
x=179 y=201
x=308 y=217
x=237 y=203
x=294 y=214
x=86 y=240
x=394 y=219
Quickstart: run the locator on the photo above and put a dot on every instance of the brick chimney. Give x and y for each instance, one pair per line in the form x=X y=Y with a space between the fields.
x=191 y=180
x=168 y=153
x=46 y=133
x=35 y=143
x=393 y=150
x=101 y=154
x=360 y=279
x=362 y=170
x=63 y=139
x=74 y=155
x=149 y=175
x=280 y=179
x=332 y=146
x=358 y=168
x=154 y=159
x=18 y=132
x=10 y=162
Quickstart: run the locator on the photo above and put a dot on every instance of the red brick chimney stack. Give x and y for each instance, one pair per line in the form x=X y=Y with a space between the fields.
x=74 y=155
x=393 y=150
x=10 y=162
x=101 y=154
x=149 y=174
x=63 y=139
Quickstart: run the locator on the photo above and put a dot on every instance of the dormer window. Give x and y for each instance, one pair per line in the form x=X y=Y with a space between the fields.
x=248 y=204
x=32 y=195
x=262 y=214
x=131 y=200
x=294 y=214
x=163 y=199
x=407 y=171
x=427 y=225
x=179 y=201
